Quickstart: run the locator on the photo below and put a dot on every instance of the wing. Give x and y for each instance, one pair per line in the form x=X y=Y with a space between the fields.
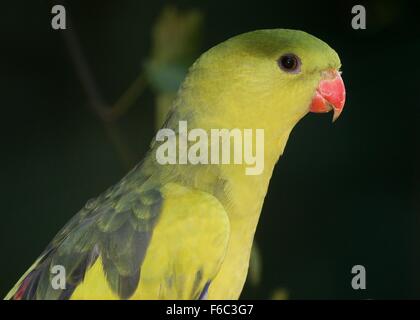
x=146 y=243
x=116 y=226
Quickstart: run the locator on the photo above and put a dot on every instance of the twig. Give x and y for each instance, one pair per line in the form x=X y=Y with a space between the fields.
x=84 y=73
x=128 y=98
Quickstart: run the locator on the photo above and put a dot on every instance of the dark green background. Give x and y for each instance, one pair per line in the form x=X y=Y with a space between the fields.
x=342 y=194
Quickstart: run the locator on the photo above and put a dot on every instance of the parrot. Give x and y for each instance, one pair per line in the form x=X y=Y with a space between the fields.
x=185 y=231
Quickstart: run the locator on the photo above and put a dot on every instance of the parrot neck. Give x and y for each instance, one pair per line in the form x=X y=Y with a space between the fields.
x=240 y=186
x=252 y=188
x=241 y=193
x=243 y=199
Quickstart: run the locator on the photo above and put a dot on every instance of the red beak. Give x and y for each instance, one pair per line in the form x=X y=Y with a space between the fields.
x=330 y=94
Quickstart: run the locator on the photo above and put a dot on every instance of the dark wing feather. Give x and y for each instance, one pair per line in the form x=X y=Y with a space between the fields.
x=117 y=226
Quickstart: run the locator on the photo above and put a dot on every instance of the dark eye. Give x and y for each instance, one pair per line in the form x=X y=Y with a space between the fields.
x=289 y=63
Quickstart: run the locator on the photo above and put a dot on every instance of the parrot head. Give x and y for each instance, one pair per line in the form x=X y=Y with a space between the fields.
x=267 y=77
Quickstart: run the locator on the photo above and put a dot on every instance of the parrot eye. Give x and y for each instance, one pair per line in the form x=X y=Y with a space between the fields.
x=289 y=63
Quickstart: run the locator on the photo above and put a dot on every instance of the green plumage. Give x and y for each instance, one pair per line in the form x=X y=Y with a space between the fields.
x=117 y=225
x=176 y=231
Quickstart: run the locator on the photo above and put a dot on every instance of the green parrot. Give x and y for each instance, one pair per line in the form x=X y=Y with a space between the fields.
x=184 y=230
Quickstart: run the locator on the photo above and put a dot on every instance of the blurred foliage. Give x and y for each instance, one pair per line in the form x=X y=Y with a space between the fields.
x=280 y=294
x=177 y=38
x=255 y=265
